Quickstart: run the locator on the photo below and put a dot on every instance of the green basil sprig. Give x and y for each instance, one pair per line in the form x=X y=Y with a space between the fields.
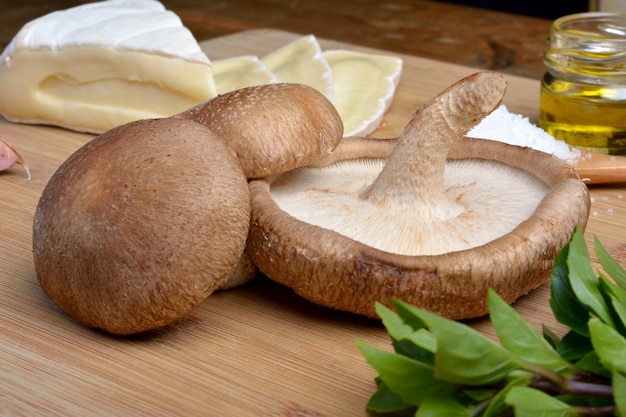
x=441 y=367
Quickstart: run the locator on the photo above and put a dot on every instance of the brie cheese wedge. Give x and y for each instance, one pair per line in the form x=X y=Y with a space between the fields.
x=99 y=65
x=240 y=72
x=302 y=62
x=365 y=84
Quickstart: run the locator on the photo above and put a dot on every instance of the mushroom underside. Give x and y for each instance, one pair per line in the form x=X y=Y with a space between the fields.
x=336 y=271
x=486 y=205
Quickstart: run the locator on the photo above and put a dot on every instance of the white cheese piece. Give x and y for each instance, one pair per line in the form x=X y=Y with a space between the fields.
x=99 y=65
x=364 y=86
x=240 y=72
x=302 y=62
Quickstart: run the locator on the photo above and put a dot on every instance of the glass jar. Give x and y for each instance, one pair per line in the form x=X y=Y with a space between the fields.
x=583 y=92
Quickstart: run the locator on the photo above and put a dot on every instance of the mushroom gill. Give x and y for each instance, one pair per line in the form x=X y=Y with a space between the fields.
x=431 y=217
x=481 y=205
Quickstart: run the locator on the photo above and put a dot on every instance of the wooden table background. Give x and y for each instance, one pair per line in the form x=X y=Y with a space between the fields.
x=258 y=350
x=255 y=351
x=480 y=38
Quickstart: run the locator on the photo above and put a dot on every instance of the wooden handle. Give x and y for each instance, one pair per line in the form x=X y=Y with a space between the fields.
x=596 y=168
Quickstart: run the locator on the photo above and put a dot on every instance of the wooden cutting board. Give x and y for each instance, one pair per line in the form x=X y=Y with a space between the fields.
x=259 y=350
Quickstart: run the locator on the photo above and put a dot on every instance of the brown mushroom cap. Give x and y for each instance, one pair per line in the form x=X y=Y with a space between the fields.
x=272 y=127
x=335 y=270
x=332 y=270
x=140 y=225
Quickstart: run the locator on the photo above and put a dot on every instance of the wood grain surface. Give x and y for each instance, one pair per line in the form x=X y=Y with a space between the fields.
x=473 y=36
x=258 y=350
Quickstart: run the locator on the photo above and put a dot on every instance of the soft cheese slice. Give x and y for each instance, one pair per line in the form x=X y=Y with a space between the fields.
x=240 y=72
x=302 y=62
x=99 y=65
x=365 y=85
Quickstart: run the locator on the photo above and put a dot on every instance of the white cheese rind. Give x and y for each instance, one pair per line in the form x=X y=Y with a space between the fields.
x=365 y=85
x=101 y=65
x=301 y=61
x=136 y=25
x=240 y=72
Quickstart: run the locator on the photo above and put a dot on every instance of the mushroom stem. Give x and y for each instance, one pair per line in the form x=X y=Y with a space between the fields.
x=412 y=177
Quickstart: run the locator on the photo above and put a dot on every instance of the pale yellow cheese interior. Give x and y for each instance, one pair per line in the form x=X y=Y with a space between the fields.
x=95 y=88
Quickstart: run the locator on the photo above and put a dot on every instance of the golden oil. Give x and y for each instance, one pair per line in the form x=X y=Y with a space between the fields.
x=583 y=93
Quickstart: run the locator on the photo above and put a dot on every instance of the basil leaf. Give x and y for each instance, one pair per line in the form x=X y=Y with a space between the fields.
x=396 y=327
x=464 y=355
x=583 y=280
x=384 y=400
x=442 y=407
x=609 y=345
x=574 y=346
x=417 y=344
x=617 y=297
x=420 y=345
x=552 y=339
x=408 y=315
x=412 y=380
x=529 y=402
x=610 y=265
x=591 y=363
x=519 y=338
x=619 y=388
x=498 y=404
x=567 y=309
x=478 y=395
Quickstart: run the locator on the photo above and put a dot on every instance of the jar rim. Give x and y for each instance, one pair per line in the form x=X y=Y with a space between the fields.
x=591 y=28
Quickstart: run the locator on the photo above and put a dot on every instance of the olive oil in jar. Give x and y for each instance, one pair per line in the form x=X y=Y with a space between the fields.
x=583 y=93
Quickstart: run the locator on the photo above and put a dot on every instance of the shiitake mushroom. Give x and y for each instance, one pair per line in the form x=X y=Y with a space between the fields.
x=274 y=127
x=429 y=217
x=144 y=222
x=141 y=224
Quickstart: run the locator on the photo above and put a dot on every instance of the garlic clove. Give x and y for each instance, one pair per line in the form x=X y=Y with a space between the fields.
x=10 y=157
